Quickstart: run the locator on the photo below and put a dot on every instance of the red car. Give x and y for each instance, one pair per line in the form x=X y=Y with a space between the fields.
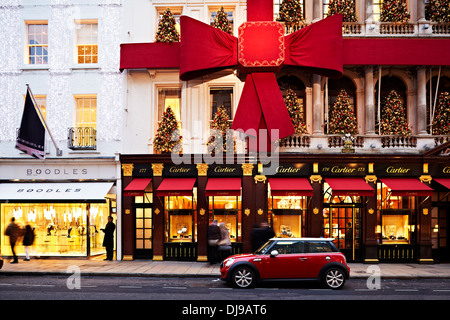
x=288 y=259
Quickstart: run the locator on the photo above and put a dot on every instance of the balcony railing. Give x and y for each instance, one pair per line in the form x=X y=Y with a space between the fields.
x=82 y=138
x=383 y=28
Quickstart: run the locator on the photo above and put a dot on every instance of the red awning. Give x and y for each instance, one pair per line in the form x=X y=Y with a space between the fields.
x=176 y=187
x=136 y=187
x=290 y=187
x=223 y=187
x=444 y=182
x=350 y=187
x=407 y=187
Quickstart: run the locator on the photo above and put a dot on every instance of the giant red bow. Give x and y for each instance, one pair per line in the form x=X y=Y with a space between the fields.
x=262 y=49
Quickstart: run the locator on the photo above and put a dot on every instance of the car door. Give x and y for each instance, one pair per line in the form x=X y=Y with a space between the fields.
x=319 y=254
x=289 y=263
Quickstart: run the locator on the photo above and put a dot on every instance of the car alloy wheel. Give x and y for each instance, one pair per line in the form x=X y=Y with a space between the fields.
x=243 y=277
x=334 y=278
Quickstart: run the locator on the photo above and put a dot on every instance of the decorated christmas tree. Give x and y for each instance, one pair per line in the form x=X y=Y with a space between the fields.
x=344 y=7
x=221 y=125
x=441 y=121
x=166 y=28
x=291 y=11
x=438 y=10
x=294 y=109
x=393 y=116
x=168 y=136
x=221 y=21
x=341 y=118
x=394 y=11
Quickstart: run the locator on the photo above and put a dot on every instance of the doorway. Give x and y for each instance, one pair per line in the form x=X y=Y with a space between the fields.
x=343 y=223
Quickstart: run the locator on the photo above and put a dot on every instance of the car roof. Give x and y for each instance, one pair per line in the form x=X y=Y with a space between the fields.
x=304 y=239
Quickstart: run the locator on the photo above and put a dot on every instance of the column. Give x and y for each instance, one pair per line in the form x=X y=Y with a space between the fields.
x=317 y=105
x=424 y=230
x=158 y=214
x=248 y=206
x=202 y=213
x=420 y=10
x=421 y=100
x=369 y=101
x=315 y=212
x=317 y=10
x=128 y=216
x=369 y=214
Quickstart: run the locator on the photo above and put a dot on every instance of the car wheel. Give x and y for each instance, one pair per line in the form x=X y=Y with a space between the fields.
x=243 y=277
x=334 y=278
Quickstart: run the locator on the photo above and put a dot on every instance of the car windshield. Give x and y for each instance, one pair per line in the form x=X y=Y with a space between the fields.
x=265 y=248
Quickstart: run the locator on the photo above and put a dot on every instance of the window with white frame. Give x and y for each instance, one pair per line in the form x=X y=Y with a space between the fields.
x=221 y=96
x=176 y=13
x=86 y=41
x=169 y=97
x=41 y=101
x=37 y=42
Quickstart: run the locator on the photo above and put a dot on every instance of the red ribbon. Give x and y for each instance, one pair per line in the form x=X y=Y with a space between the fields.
x=316 y=48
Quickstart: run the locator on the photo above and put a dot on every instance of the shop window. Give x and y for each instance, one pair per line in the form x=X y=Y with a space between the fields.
x=37 y=42
x=219 y=97
x=61 y=229
x=86 y=42
x=227 y=210
x=287 y=215
x=396 y=217
x=180 y=217
x=144 y=223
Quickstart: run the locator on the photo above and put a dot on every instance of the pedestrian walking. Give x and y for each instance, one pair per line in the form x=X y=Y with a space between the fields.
x=108 y=241
x=213 y=239
x=224 y=243
x=14 y=232
x=28 y=240
x=261 y=233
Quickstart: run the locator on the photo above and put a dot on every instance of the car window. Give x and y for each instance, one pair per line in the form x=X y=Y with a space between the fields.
x=319 y=246
x=289 y=247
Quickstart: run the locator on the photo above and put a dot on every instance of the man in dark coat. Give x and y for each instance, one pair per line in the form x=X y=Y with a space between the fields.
x=214 y=236
x=14 y=232
x=108 y=241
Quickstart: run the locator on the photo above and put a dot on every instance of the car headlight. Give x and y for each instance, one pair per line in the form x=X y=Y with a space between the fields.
x=229 y=262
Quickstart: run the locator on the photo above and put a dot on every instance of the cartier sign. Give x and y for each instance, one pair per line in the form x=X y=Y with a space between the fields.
x=439 y=170
x=345 y=169
x=391 y=170
x=224 y=170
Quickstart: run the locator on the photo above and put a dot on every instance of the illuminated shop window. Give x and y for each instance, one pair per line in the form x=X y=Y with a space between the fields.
x=287 y=215
x=61 y=229
x=227 y=210
x=180 y=217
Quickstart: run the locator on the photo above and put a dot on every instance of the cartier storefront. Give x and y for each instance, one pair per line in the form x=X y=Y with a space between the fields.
x=377 y=208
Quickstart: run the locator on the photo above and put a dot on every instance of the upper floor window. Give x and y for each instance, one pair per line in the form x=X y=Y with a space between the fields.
x=221 y=96
x=41 y=101
x=176 y=13
x=277 y=7
x=86 y=111
x=86 y=42
x=169 y=97
x=230 y=15
x=37 y=42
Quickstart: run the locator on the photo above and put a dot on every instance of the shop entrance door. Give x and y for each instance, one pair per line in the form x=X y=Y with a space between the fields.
x=343 y=223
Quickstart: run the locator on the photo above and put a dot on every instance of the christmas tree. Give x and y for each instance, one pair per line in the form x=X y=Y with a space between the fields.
x=222 y=126
x=441 y=121
x=393 y=116
x=168 y=136
x=438 y=10
x=341 y=117
x=394 y=11
x=291 y=11
x=166 y=28
x=344 y=7
x=294 y=109
x=221 y=21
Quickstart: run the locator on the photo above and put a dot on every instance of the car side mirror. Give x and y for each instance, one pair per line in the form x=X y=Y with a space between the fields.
x=273 y=253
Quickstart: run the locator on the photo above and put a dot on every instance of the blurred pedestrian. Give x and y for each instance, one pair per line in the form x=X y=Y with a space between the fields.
x=213 y=237
x=261 y=233
x=14 y=232
x=108 y=240
x=224 y=243
x=28 y=240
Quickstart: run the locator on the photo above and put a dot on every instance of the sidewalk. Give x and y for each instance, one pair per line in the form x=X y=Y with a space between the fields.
x=148 y=268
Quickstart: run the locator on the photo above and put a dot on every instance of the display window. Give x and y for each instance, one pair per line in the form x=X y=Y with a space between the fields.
x=287 y=214
x=61 y=229
x=181 y=220
x=396 y=217
x=227 y=210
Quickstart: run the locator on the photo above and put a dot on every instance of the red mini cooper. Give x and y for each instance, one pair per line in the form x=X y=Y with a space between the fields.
x=288 y=259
